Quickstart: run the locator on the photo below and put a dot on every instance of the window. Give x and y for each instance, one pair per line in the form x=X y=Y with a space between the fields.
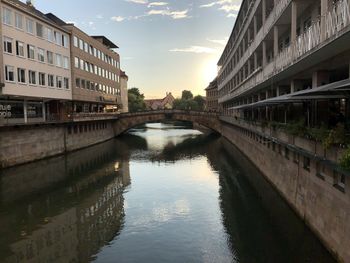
x=65 y=41
x=31 y=51
x=58 y=38
x=39 y=30
x=50 y=80
x=41 y=55
x=9 y=73
x=66 y=83
x=49 y=57
x=77 y=83
x=86 y=47
x=81 y=44
x=91 y=50
x=83 y=84
x=87 y=84
x=32 y=77
x=286 y=153
x=19 y=21
x=21 y=75
x=76 y=62
x=50 y=36
x=30 y=26
x=58 y=60
x=75 y=41
x=59 y=82
x=81 y=64
x=65 y=62
x=19 y=49
x=42 y=77
x=7 y=16
x=7 y=45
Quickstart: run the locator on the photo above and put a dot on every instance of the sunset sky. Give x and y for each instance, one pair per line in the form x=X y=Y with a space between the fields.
x=164 y=45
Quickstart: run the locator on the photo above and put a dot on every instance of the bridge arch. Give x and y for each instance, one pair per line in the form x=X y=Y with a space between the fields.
x=126 y=121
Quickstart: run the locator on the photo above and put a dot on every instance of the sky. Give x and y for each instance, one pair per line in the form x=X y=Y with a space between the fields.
x=164 y=45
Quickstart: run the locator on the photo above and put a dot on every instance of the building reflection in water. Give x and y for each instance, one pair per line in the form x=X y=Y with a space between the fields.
x=63 y=209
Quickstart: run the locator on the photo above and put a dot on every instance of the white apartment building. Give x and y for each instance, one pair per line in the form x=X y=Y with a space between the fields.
x=36 y=65
x=280 y=56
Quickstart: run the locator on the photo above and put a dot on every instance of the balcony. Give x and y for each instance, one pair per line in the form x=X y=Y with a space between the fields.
x=336 y=22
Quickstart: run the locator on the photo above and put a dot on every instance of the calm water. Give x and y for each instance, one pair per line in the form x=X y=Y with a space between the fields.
x=162 y=193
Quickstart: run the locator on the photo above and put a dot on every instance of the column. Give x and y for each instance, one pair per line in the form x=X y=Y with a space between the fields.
x=263 y=3
x=277 y=91
x=255 y=26
x=275 y=41
x=255 y=60
x=25 y=111
x=324 y=11
x=264 y=62
x=44 y=111
x=294 y=18
x=292 y=86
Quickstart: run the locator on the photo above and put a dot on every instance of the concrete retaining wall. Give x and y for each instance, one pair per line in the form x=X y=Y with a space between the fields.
x=316 y=197
x=23 y=144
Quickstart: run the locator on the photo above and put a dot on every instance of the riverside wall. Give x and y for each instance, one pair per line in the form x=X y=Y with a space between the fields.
x=27 y=143
x=310 y=190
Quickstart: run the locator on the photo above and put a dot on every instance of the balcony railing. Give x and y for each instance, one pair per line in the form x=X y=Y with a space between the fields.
x=337 y=19
x=264 y=30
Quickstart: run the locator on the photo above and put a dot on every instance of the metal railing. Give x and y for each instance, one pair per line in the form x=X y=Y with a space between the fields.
x=336 y=20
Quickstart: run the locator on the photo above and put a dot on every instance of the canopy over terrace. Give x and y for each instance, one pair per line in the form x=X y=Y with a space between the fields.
x=330 y=92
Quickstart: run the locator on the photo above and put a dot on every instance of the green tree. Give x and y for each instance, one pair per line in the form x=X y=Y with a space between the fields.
x=187 y=95
x=200 y=102
x=136 y=100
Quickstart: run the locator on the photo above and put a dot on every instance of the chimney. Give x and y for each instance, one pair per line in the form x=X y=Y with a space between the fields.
x=29 y=3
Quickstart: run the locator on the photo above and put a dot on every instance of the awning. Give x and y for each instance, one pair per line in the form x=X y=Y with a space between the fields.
x=335 y=90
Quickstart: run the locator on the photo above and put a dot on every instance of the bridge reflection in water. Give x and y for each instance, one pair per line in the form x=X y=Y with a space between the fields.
x=74 y=208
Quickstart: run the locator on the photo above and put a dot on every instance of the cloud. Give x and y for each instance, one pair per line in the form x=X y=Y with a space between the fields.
x=99 y=16
x=143 y=2
x=167 y=12
x=117 y=18
x=228 y=6
x=157 y=4
x=195 y=49
x=219 y=41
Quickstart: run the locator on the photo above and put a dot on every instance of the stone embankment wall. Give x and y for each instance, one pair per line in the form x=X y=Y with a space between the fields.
x=308 y=185
x=22 y=144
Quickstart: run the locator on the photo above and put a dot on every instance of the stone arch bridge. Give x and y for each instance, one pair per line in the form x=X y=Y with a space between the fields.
x=127 y=121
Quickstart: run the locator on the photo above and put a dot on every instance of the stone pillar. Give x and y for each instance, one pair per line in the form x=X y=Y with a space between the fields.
x=275 y=41
x=292 y=86
x=255 y=60
x=255 y=25
x=25 y=111
x=249 y=67
x=324 y=11
x=264 y=61
x=44 y=111
x=293 y=34
x=263 y=4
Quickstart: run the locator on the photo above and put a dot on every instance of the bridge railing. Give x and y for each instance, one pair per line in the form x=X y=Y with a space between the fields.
x=184 y=112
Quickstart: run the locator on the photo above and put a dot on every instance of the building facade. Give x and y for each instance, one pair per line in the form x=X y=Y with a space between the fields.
x=280 y=56
x=95 y=71
x=165 y=103
x=212 y=96
x=36 y=73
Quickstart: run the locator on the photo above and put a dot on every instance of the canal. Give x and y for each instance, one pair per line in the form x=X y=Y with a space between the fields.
x=161 y=193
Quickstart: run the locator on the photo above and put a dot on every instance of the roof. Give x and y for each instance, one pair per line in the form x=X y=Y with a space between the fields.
x=34 y=12
x=105 y=41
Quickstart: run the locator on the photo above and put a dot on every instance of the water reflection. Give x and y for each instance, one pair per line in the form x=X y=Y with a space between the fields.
x=161 y=193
